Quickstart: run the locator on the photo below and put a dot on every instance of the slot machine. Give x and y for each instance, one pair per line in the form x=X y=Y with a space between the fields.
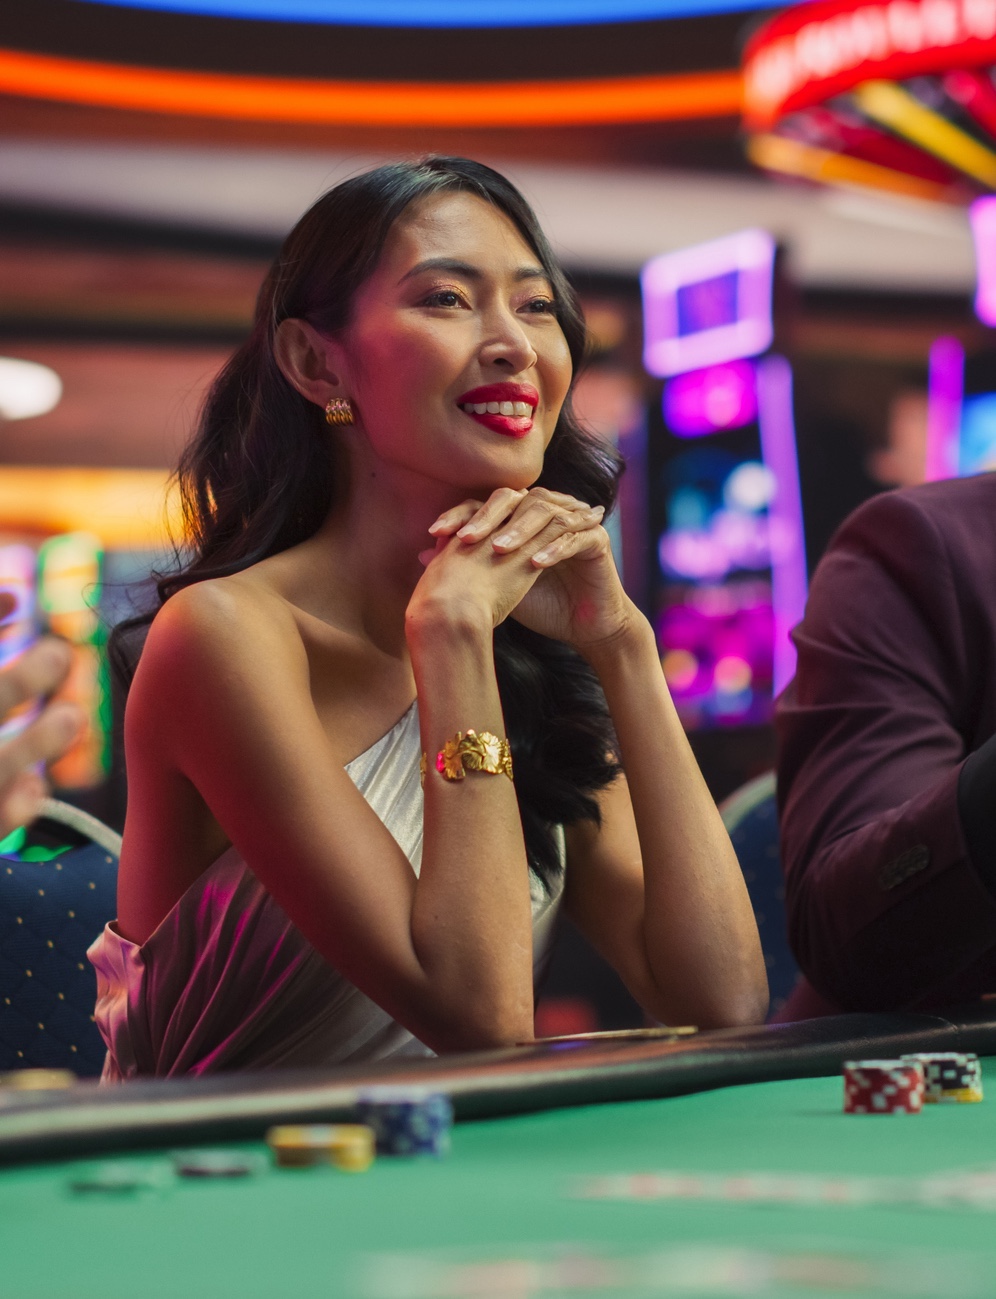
x=728 y=564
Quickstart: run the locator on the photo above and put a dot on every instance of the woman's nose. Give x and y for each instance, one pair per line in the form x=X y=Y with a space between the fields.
x=506 y=343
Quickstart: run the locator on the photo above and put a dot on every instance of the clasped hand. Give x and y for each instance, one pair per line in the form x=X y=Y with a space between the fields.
x=539 y=556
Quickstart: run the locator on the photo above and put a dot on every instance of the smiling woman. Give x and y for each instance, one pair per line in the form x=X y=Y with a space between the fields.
x=398 y=551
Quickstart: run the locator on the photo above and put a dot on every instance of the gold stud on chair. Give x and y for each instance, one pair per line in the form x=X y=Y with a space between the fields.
x=339 y=411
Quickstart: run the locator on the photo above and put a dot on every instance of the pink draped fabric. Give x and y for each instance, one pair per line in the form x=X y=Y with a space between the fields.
x=228 y=982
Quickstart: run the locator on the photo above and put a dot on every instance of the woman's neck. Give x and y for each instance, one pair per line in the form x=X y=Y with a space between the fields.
x=369 y=545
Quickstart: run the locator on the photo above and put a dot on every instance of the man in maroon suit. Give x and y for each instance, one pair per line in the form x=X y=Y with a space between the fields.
x=887 y=771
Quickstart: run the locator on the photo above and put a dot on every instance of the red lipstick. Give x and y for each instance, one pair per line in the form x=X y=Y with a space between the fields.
x=512 y=426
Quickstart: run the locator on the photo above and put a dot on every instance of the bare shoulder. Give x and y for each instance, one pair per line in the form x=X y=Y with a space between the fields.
x=222 y=628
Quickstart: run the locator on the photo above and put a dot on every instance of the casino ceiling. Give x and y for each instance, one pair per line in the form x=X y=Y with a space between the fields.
x=214 y=116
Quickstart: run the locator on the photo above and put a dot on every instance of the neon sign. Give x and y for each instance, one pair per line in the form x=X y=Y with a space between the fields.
x=811 y=52
x=442 y=13
x=982 y=215
x=785 y=519
x=708 y=304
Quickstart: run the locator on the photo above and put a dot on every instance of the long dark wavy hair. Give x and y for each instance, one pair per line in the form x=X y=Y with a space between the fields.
x=259 y=476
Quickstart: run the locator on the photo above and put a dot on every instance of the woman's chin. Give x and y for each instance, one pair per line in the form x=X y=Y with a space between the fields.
x=520 y=476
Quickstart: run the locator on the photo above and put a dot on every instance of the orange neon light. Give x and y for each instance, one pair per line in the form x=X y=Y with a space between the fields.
x=369 y=103
x=795 y=158
x=127 y=509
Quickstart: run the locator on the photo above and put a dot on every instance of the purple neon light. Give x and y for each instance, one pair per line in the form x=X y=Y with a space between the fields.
x=945 y=386
x=749 y=255
x=707 y=401
x=788 y=546
x=982 y=215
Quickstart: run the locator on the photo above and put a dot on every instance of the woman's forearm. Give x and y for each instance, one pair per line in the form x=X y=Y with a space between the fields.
x=702 y=946
x=471 y=916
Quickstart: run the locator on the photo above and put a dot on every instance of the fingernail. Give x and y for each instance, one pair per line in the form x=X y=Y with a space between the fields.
x=599 y=510
x=435 y=527
x=468 y=530
x=541 y=556
x=505 y=539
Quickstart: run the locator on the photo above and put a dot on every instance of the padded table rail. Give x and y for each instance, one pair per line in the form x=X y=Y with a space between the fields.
x=88 y=1119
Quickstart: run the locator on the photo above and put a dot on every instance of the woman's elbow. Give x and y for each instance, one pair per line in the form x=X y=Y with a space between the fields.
x=485 y=1026
x=748 y=1007
x=745 y=999
x=709 y=1008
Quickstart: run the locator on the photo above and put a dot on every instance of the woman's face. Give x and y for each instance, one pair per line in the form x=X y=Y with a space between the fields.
x=454 y=359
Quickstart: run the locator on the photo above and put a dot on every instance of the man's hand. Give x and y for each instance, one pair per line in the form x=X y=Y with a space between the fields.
x=38 y=672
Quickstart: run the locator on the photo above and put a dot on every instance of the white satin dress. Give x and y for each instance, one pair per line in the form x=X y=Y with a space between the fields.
x=227 y=982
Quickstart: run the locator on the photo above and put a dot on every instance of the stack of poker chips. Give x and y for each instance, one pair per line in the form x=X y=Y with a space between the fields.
x=349 y=1146
x=407 y=1120
x=883 y=1087
x=949 y=1076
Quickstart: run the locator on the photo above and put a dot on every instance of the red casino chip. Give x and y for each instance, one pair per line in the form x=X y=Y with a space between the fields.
x=883 y=1087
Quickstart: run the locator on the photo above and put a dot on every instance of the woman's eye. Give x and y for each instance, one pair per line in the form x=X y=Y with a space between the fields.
x=443 y=298
x=541 y=306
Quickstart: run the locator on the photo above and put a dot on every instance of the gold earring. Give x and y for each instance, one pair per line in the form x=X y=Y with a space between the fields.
x=339 y=411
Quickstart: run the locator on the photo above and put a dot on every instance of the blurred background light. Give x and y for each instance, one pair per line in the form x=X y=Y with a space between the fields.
x=443 y=13
x=704 y=401
x=789 y=581
x=945 y=389
x=27 y=389
x=126 y=508
x=897 y=97
x=354 y=102
x=977 y=443
x=708 y=304
x=751 y=486
x=982 y=216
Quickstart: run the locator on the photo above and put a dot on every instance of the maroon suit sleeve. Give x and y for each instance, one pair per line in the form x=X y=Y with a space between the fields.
x=883 y=903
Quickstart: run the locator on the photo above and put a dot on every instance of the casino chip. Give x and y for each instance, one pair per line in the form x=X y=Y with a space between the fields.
x=407 y=1120
x=949 y=1076
x=121 y=1178
x=349 y=1146
x=883 y=1087
x=215 y=1163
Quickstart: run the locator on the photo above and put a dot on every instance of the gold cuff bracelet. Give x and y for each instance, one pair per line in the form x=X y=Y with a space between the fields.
x=472 y=751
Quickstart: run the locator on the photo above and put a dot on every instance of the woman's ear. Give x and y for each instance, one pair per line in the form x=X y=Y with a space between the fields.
x=307 y=361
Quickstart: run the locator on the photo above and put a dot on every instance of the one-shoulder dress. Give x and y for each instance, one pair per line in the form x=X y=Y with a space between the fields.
x=227 y=982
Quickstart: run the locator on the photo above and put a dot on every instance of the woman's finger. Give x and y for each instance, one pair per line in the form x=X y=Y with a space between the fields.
x=37 y=672
x=558 y=498
x=45 y=739
x=21 y=801
x=449 y=521
x=496 y=509
x=537 y=517
x=568 y=544
x=425 y=557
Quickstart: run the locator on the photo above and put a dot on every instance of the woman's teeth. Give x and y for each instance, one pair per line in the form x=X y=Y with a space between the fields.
x=517 y=409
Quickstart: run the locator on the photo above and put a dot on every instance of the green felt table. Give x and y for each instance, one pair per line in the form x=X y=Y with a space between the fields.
x=500 y=1216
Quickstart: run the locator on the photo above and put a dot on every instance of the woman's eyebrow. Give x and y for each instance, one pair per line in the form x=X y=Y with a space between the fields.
x=457 y=267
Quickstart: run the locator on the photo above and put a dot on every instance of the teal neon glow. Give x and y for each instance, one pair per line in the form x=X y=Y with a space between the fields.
x=444 y=13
